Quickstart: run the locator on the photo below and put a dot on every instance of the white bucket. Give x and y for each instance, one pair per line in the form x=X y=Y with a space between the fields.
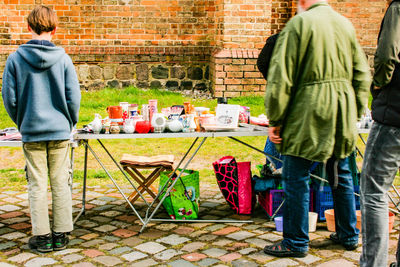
x=312 y=221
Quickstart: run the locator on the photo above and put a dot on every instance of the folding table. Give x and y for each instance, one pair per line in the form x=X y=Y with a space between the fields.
x=153 y=207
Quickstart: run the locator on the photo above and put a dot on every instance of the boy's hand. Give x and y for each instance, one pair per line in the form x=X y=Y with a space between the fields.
x=274 y=134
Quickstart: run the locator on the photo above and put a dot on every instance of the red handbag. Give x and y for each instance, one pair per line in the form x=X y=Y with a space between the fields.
x=234 y=181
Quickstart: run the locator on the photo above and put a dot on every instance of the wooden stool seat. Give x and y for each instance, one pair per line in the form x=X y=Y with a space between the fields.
x=133 y=164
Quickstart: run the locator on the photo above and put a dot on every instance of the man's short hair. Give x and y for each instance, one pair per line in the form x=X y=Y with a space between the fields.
x=42 y=19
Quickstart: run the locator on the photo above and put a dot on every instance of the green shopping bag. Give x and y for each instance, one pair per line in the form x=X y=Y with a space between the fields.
x=183 y=200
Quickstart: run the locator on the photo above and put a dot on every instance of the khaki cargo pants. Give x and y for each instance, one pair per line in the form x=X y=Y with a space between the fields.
x=49 y=159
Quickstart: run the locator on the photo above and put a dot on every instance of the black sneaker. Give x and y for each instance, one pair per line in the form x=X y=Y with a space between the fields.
x=334 y=237
x=279 y=250
x=60 y=241
x=41 y=243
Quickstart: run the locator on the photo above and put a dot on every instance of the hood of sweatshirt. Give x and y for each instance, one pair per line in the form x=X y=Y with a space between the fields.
x=40 y=56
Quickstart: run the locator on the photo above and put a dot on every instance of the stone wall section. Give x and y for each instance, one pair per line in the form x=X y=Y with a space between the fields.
x=173 y=72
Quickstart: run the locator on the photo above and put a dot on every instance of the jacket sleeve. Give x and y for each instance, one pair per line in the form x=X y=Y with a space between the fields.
x=9 y=90
x=387 y=52
x=72 y=91
x=281 y=75
x=361 y=78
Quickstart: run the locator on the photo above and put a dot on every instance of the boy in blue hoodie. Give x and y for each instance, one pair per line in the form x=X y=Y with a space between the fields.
x=42 y=96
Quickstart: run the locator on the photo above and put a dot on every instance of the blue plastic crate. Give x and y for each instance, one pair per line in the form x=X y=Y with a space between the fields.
x=324 y=199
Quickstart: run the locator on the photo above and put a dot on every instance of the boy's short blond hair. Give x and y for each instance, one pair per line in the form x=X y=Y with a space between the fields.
x=42 y=19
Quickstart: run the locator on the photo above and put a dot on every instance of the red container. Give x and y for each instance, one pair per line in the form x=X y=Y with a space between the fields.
x=114 y=112
x=143 y=126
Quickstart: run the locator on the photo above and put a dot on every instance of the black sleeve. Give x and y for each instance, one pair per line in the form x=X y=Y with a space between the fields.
x=265 y=55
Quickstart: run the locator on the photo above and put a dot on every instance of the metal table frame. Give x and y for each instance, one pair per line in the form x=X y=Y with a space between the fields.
x=151 y=210
x=191 y=152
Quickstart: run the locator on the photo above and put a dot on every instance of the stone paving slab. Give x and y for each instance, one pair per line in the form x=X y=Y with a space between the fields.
x=108 y=235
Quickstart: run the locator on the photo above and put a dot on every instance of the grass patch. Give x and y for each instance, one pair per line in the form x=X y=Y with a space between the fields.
x=13 y=178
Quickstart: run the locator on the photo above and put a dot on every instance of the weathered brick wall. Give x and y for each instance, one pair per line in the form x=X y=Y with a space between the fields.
x=281 y=12
x=202 y=44
x=366 y=16
x=242 y=23
x=234 y=73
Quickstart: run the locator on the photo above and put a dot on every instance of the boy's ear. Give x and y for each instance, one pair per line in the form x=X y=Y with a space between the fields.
x=53 y=31
x=29 y=28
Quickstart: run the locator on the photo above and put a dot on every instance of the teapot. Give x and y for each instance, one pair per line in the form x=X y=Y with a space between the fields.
x=96 y=124
x=174 y=125
x=129 y=126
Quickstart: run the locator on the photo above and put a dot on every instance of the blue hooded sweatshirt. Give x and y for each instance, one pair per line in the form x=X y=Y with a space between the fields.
x=41 y=92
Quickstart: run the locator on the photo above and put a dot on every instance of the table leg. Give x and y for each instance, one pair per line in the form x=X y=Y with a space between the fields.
x=84 y=183
x=71 y=169
x=114 y=182
x=362 y=139
x=126 y=176
x=172 y=173
x=147 y=220
x=266 y=154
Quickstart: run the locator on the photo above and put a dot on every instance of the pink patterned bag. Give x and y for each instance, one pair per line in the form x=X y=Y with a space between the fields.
x=234 y=181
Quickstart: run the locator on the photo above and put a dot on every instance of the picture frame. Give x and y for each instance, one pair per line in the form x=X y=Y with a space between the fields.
x=227 y=115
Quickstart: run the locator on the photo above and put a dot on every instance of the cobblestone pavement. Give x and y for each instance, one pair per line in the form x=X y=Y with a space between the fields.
x=107 y=235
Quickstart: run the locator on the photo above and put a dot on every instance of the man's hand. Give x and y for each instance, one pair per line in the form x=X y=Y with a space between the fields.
x=274 y=134
x=377 y=87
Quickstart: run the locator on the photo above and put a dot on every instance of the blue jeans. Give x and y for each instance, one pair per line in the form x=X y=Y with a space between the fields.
x=296 y=175
x=381 y=163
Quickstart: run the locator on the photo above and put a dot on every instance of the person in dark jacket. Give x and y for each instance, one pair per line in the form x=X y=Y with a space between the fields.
x=42 y=96
x=382 y=153
x=265 y=55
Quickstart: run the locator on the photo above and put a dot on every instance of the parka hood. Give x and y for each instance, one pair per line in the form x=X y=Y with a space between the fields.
x=40 y=56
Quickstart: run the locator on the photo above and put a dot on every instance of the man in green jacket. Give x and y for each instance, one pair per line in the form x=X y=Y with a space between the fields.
x=318 y=85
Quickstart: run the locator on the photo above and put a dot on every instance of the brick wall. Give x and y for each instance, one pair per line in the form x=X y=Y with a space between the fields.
x=366 y=16
x=234 y=73
x=142 y=35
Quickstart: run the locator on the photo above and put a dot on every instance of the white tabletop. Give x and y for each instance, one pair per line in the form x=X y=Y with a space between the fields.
x=242 y=131
x=11 y=143
x=239 y=132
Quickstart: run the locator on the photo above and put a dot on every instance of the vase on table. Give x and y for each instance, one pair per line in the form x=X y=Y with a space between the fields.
x=96 y=124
